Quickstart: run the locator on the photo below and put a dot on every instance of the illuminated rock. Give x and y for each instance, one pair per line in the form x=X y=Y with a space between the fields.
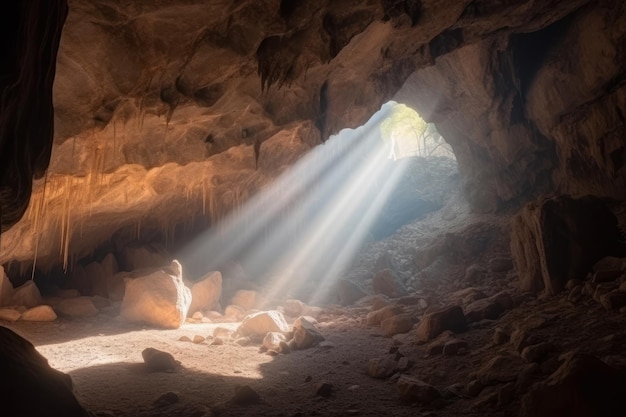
x=9 y=314
x=272 y=340
x=159 y=299
x=305 y=334
x=39 y=313
x=259 y=324
x=206 y=293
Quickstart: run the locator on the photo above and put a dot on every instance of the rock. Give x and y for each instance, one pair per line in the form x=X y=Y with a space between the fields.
x=116 y=286
x=500 y=336
x=159 y=361
x=609 y=263
x=36 y=389
x=613 y=300
x=197 y=315
x=467 y=295
x=449 y=318
x=374 y=318
x=348 y=292
x=213 y=316
x=559 y=238
x=573 y=283
x=474 y=274
x=606 y=276
x=374 y=302
x=603 y=289
x=305 y=334
x=77 y=307
x=222 y=332
x=217 y=341
x=233 y=312
x=500 y=264
x=27 y=295
x=273 y=340
x=206 y=293
x=413 y=390
x=245 y=395
x=489 y=308
x=263 y=322
x=538 y=352
x=500 y=369
x=474 y=388
x=582 y=386
x=100 y=302
x=6 y=289
x=382 y=367
x=385 y=282
x=160 y=299
x=40 y=313
x=166 y=399
x=97 y=280
x=9 y=314
x=198 y=339
x=402 y=323
x=184 y=339
x=323 y=389
x=246 y=299
x=436 y=346
x=294 y=308
x=243 y=341
x=520 y=338
x=454 y=347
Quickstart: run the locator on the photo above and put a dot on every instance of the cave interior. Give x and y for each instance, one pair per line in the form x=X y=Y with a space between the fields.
x=293 y=208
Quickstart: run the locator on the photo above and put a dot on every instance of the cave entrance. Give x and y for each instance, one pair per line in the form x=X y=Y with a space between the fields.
x=408 y=135
x=300 y=234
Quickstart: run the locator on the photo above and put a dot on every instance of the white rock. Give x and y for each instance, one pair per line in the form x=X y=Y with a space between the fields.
x=39 y=313
x=263 y=322
x=206 y=293
x=159 y=299
x=6 y=289
x=77 y=307
x=9 y=314
x=27 y=295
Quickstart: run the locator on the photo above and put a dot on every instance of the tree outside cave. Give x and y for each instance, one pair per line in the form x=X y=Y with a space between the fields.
x=407 y=134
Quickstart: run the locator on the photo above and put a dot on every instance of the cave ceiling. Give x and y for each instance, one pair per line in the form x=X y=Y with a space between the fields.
x=167 y=112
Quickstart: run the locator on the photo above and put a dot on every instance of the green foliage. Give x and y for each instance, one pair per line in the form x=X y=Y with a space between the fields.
x=408 y=134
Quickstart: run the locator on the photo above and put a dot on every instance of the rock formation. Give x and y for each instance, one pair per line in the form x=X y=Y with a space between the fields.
x=168 y=113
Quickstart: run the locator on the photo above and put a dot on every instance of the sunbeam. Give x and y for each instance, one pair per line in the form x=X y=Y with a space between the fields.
x=303 y=230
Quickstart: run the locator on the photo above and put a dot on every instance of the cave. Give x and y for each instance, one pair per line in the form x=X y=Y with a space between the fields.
x=291 y=208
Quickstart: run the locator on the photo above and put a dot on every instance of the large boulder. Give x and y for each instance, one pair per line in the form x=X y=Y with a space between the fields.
x=557 y=239
x=434 y=323
x=206 y=293
x=160 y=298
x=27 y=295
x=31 y=388
x=77 y=307
x=582 y=386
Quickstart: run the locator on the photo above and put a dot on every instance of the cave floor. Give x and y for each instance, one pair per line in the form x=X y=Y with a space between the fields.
x=103 y=357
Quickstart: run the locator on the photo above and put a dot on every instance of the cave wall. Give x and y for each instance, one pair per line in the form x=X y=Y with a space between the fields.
x=170 y=111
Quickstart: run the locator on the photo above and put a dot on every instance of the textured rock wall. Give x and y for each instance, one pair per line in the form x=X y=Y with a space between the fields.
x=166 y=111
